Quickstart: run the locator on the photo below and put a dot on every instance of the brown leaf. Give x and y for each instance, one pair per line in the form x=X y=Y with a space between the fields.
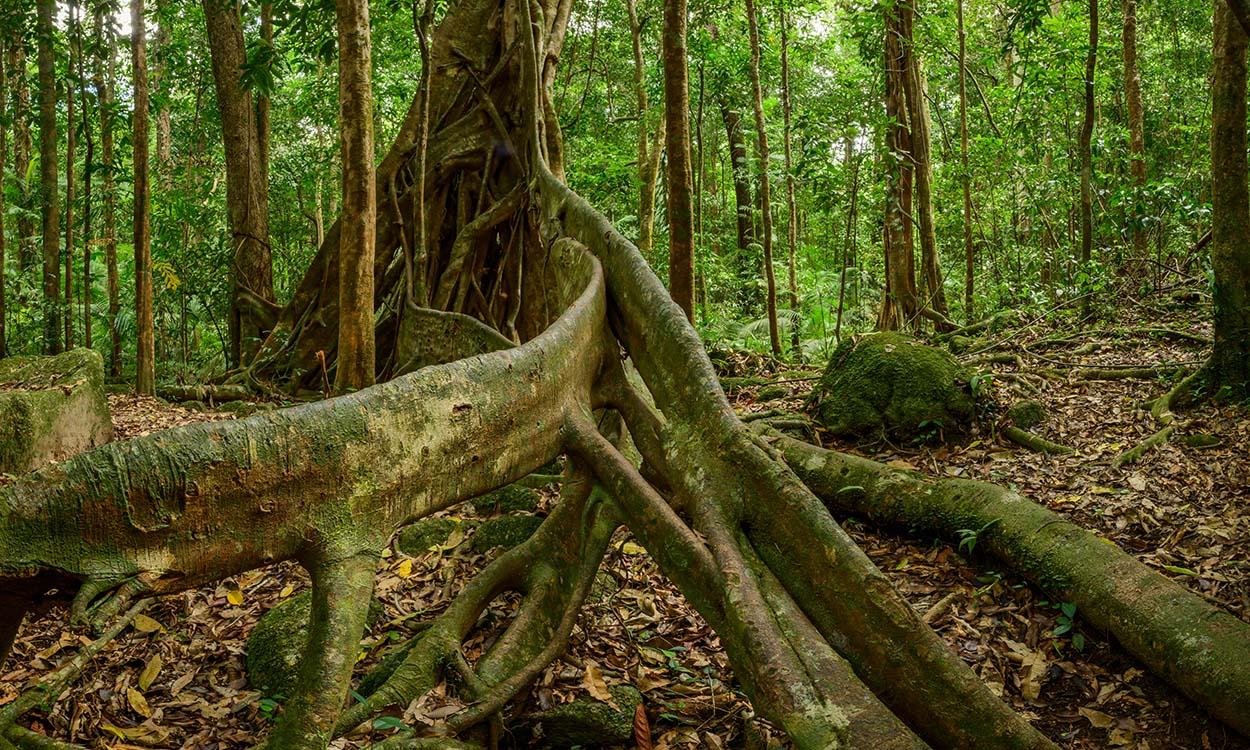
x=642 y=728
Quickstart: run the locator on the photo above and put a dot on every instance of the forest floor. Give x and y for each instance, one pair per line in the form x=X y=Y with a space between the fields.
x=179 y=680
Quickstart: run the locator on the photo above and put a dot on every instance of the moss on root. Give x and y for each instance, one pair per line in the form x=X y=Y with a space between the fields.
x=505 y=531
x=417 y=539
x=510 y=499
x=888 y=383
x=591 y=723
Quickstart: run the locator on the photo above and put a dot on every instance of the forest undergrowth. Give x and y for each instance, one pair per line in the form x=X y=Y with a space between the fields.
x=178 y=678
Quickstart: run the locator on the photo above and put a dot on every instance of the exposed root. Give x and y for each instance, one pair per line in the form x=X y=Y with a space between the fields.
x=1161 y=412
x=1199 y=648
x=1035 y=443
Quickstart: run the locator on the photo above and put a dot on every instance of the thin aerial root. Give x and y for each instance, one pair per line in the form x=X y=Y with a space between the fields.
x=21 y=738
x=1035 y=443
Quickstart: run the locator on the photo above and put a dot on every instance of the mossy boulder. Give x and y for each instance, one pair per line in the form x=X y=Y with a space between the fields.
x=415 y=540
x=510 y=499
x=51 y=408
x=889 y=383
x=773 y=393
x=504 y=531
x=275 y=647
x=590 y=722
x=1027 y=414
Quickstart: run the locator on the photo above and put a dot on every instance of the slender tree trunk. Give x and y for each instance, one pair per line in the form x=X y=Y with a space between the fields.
x=87 y=180
x=247 y=200
x=356 y=367
x=1087 y=137
x=741 y=174
x=1230 y=215
x=677 y=143
x=21 y=154
x=965 y=176
x=4 y=155
x=145 y=346
x=900 y=308
x=922 y=159
x=49 y=194
x=648 y=144
x=71 y=141
x=792 y=235
x=774 y=335
x=262 y=100
x=1136 y=125
x=105 y=74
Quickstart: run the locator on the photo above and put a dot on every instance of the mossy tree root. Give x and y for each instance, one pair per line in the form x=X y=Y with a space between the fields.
x=1161 y=412
x=1202 y=650
x=733 y=489
x=553 y=569
x=1035 y=443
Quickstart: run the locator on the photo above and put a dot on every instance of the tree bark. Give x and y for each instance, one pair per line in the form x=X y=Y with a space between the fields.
x=356 y=367
x=145 y=344
x=1136 y=127
x=792 y=222
x=4 y=155
x=1230 y=212
x=922 y=160
x=677 y=144
x=104 y=76
x=71 y=142
x=900 y=307
x=49 y=192
x=648 y=144
x=247 y=199
x=21 y=153
x=1085 y=146
x=766 y=220
x=88 y=174
x=965 y=177
x=741 y=174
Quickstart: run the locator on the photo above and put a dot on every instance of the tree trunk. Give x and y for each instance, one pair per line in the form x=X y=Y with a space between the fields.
x=1136 y=128
x=247 y=201
x=1086 y=142
x=900 y=307
x=741 y=174
x=965 y=177
x=1230 y=211
x=648 y=144
x=104 y=75
x=766 y=210
x=88 y=173
x=21 y=154
x=356 y=366
x=49 y=193
x=145 y=334
x=4 y=155
x=71 y=142
x=262 y=100
x=792 y=234
x=677 y=144
x=922 y=160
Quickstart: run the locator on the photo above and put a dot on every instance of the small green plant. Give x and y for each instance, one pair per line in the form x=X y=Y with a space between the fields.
x=980 y=384
x=968 y=537
x=1066 y=623
x=269 y=707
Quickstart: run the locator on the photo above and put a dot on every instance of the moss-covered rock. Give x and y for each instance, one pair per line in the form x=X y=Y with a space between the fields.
x=51 y=408
x=590 y=722
x=890 y=383
x=275 y=646
x=1027 y=414
x=416 y=540
x=510 y=499
x=504 y=531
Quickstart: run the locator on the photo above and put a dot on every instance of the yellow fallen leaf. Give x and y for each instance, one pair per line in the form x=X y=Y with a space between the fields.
x=405 y=568
x=150 y=671
x=138 y=702
x=234 y=596
x=286 y=591
x=633 y=548
x=145 y=624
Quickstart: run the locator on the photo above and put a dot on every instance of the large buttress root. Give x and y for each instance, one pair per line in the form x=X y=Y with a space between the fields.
x=1201 y=649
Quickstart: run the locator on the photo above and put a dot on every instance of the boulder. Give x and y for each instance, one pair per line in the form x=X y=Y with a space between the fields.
x=504 y=531
x=51 y=408
x=890 y=384
x=416 y=539
x=509 y=499
x=1027 y=414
